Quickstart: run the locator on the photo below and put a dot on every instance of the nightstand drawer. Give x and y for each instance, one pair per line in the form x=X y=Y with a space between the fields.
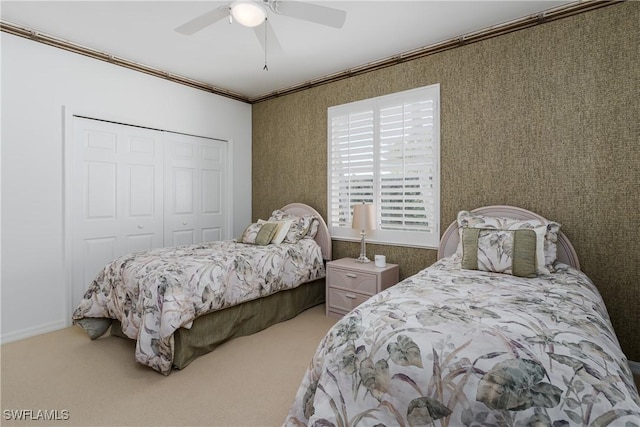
x=350 y=283
x=344 y=301
x=353 y=280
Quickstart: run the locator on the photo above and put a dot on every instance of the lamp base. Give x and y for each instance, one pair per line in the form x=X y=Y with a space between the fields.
x=363 y=249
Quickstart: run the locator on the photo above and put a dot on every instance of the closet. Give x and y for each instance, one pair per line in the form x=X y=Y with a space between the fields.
x=134 y=189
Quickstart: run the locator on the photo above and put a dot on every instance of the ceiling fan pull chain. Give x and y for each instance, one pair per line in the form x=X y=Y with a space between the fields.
x=265 y=68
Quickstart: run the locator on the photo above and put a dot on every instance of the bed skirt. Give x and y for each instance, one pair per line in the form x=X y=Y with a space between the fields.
x=213 y=329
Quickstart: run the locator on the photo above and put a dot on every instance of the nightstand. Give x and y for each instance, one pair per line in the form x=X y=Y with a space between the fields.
x=350 y=283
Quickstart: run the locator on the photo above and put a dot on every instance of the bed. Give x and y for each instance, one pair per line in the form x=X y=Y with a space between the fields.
x=473 y=340
x=182 y=302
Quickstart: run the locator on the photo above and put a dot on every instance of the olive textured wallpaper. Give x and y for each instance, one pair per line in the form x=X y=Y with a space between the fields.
x=545 y=118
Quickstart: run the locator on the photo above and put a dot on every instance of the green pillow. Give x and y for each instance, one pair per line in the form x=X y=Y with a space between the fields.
x=500 y=251
x=266 y=233
x=94 y=326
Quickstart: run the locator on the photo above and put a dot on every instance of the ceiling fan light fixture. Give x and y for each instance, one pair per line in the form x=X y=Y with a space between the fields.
x=248 y=13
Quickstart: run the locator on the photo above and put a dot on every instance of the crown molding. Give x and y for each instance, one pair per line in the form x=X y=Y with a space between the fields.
x=463 y=40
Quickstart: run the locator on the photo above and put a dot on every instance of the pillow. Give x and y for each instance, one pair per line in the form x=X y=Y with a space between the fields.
x=94 y=326
x=500 y=251
x=281 y=231
x=259 y=233
x=313 y=230
x=546 y=233
x=299 y=224
x=551 y=245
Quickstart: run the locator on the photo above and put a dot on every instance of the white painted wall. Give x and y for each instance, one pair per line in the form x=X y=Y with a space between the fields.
x=37 y=81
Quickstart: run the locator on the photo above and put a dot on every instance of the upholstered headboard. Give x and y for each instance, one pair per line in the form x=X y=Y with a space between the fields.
x=451 y=237
x=323 y=238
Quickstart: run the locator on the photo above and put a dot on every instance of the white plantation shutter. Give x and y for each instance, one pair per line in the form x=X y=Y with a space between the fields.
x=385 y=151
x=351 y=162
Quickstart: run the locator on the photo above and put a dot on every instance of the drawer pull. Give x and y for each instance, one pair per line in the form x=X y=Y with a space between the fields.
x=350 y=296
x=353 y=276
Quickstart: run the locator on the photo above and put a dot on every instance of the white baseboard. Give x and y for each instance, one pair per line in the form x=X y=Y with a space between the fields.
x=635 y=367
x=33 y=331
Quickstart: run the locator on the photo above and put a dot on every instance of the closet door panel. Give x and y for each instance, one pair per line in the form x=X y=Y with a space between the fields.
x=181 y=222
x=142 y=189
x=141 y=196
x=94 y=206
x=98 y=252
x=213 y=184
x=140 y=242
x=183 y=186
x=116 y=196
x=182 y=237
x=100 y=188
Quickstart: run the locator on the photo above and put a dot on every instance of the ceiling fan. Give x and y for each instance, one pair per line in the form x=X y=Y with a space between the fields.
x=252 y=13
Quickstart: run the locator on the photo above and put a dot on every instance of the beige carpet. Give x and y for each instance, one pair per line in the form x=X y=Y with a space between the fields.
x=249 y=381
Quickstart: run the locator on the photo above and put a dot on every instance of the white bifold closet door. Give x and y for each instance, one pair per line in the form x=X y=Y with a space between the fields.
x=195 y=179
x=134 y=189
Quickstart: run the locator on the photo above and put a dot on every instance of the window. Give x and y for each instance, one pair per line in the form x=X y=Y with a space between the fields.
x=386 y=151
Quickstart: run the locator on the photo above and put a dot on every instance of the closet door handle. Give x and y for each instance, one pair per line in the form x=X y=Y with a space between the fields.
x=184 y=222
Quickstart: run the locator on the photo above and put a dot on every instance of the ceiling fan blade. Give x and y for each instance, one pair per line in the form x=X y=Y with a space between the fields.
x=311 y=12
x=273 y=45
x=203 y=21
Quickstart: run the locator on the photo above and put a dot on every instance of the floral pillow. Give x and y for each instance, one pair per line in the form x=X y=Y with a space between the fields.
x=500 y=251
x=546 y=233
x=299 y=228
x=313 y=230
x=551 y=245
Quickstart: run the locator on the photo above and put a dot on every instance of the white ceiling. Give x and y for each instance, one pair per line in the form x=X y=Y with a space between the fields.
x=229 y=56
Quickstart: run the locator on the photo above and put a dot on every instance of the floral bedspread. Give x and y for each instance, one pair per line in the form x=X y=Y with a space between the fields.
x=156 y=292
x=454 y=347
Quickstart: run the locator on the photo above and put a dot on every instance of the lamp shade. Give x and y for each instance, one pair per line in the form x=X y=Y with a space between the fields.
x=364 y=217
x=248 y=13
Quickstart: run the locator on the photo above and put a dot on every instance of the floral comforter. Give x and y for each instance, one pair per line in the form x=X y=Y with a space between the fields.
x=454 y=347
x=156 y=292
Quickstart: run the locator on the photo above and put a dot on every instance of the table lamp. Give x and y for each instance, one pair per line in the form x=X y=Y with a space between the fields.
x=364 y=219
